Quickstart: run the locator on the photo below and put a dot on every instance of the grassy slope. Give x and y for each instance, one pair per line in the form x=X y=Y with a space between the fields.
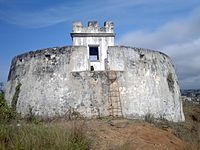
x=46 y=136
x=16 y=133
x=30 y=133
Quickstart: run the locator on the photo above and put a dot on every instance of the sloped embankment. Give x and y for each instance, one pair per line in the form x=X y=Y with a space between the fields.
x=125 y=134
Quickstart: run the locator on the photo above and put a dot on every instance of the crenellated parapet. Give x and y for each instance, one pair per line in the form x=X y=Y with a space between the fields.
x=93 y=29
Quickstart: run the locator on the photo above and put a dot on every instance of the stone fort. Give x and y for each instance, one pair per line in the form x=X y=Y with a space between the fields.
x=94 y=78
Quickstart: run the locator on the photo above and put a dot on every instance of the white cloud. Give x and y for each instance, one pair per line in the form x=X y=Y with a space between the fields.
x=176 y=31
x=180 y=39
x=64 y=12
x=187 y=60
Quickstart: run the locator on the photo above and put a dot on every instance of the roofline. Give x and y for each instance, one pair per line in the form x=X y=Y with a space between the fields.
x=92 y=34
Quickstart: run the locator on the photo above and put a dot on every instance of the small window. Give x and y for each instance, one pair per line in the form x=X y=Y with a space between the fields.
x=94 y=53
x=92 y=68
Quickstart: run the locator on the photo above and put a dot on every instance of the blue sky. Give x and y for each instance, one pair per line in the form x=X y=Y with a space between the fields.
x=171 y=26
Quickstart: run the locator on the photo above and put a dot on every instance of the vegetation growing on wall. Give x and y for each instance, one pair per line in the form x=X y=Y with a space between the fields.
x=16 y=96
x=170 y=82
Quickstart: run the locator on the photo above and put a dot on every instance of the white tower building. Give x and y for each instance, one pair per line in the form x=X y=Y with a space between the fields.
x=96 y=39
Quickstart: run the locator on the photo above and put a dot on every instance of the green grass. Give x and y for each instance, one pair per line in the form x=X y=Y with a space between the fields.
x=25 y=134
x=43 y=136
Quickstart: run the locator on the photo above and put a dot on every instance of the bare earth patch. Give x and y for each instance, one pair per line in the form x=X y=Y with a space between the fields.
x=125 y=134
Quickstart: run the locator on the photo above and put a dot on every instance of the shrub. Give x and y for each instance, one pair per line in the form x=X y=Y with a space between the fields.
x=149 y=118
x=5 y=112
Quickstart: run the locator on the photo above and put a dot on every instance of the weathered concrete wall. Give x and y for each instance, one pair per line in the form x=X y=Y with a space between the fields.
x=148 y=84
x=55 y=82
x=49 y=83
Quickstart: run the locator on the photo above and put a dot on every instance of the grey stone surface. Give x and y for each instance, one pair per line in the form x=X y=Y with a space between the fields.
x=148 y=84
x=56 y=81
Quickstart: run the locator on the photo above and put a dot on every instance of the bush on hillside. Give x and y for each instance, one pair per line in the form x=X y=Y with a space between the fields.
x=5 y=112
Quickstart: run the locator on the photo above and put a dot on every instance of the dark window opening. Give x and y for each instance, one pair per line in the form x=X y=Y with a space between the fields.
x=48 y=56
x=94 y=53
x=141 y=56
x=92 y=68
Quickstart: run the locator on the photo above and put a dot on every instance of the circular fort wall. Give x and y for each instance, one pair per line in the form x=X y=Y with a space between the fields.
x=148 y=84
x=56 y=82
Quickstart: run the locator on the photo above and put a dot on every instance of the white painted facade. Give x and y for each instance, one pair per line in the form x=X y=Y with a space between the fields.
x=57 y=81
x=96 y=36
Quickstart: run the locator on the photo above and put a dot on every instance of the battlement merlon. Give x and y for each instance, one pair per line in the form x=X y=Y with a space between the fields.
x=93 y=29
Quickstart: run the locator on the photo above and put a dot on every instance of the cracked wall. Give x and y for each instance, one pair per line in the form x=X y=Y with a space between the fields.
x=56 y=80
